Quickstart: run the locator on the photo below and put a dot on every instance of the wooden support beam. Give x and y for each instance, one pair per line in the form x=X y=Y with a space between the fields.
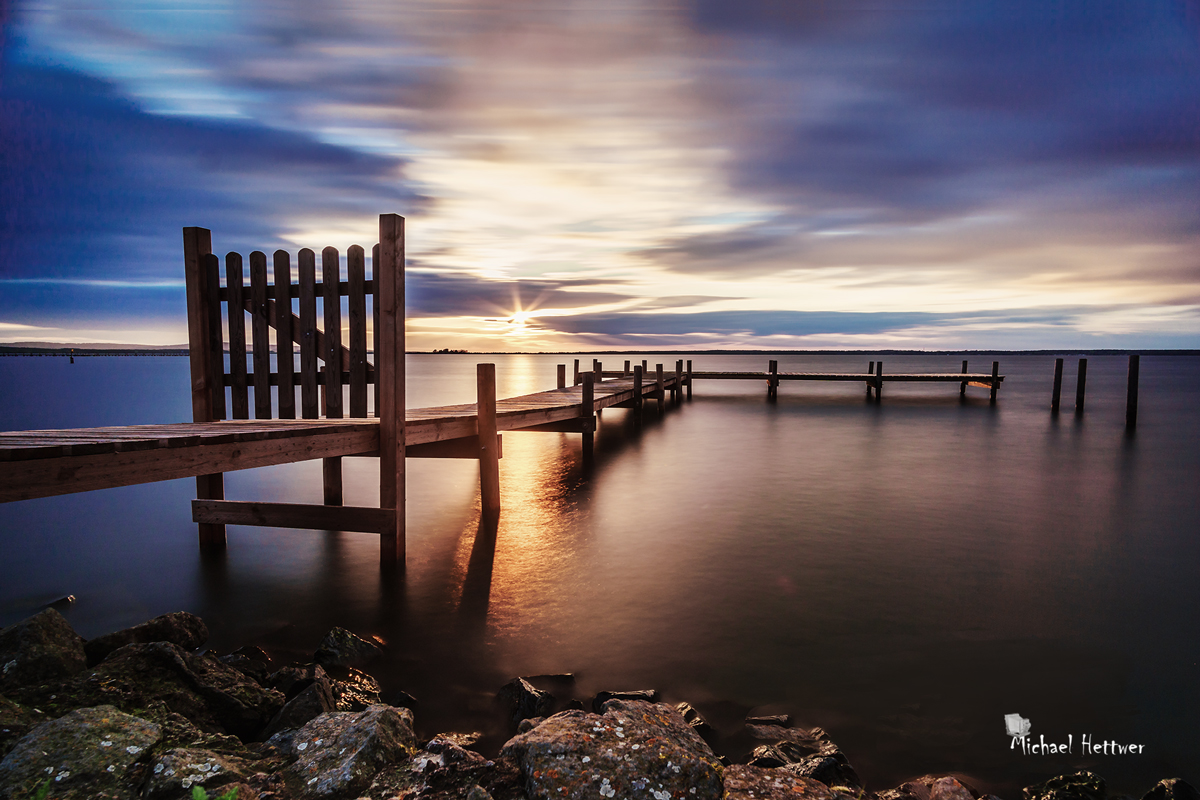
x=962 y=388
x=1080 y=385
x=772 y=381
x=995 y=381
x=389 y=277
x=562 y=376
x=293 y=515
x=197 y=243
x=1056 y=397
x=689 y=379
x=463 y=447
x=1131 y=394
x=637 y=387
x=575 y=374
x=625 y=371
x=587 y=414
x=870 y=373
x=488 y=453
x=331 y=470
x=878 y=381
x=659 y=394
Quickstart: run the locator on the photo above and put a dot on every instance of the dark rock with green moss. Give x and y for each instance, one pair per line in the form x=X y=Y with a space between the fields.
x=634 y=749
x=41 y=648
x=88 y=753
x=179 y=628
x=140 y=678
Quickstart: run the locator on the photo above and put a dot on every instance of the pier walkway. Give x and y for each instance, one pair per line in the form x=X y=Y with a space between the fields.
x=222 y=438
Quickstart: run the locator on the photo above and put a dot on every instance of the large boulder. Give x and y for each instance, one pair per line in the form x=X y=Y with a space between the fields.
x=634 y=750
x=41 y=648
x=89 y=753
x=16 y=721
x=521 y=700
x=337 y=754
x=308 y=705
x=1172 y=789
x=179 y=628
x=163 y=677
x=744 y=782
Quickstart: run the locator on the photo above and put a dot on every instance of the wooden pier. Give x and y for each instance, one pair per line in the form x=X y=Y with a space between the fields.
x=53 y=462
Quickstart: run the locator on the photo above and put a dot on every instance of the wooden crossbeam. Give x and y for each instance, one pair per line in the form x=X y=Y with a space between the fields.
x=294 y=515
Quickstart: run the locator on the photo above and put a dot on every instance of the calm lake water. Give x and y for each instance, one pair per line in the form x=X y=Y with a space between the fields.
x=903 y=575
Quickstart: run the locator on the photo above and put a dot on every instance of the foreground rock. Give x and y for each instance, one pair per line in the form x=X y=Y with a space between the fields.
x=635 y=749
x=41 y=648
x=1079 y=786
x=214 y=697
x=89 y=753
x=522 y=700
x=338 y=754
x=15 y=722
x=342 y=648
x=179 y=628
x=744 y=782
x=1172 y=789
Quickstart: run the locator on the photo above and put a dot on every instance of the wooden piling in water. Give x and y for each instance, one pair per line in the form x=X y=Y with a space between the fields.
x=1131 y=394
x=878 y=381
x=625 y=371
x=489 y=454
x=597 y=370
x=645 y=369
x=389 y=371
x=587 y=413
x=995 y=381
x=659 y=394
x=575 y=374
x=689 y=379
x=1056 y=397
x=772 y=382
x=677 y=392
x=562 y=376
x=962 y=388
x=637 y=390
x=197 y=244
x=1080 y=385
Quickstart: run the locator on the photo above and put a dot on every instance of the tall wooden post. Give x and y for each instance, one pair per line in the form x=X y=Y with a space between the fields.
x=995 y=381
x=870 y=373
x=575 y=377
x=878 y=381
x=597 y=370
x=197 y=243
x=285 y=352
x=389 y=371
x=1131 y=396
x=637 y=389
x=659 y=395
x=1080 y=385
x=772 y=382
x=562 y=376
x=1057 y=396
x=625 y=371
x=489 y=455
x=962 y=387
x=587 y=413
x=677 y=395
x=689 y=379
x=645 y=369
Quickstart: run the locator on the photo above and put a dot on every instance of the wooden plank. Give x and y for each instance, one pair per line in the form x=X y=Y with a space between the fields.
x=357 y=272
x=489 y=463
x=22 y=480
x=239 y=395
x=375 y=318
x=285 y=354
x=293 y=515
x=259 y=324
x=331 y=268
x=307 y=276
x=216 y=344
x=389 y=366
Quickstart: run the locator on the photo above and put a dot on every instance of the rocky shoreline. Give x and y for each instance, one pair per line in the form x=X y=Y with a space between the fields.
x=145 y=713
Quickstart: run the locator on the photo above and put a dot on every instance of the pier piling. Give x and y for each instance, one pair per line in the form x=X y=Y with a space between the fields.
x=587 y=422
x=659 y=394
x=995 y=380
x=962 y=387
x=1057 y=396
x=1131 y=396
x=689 y=379
x=772 y=381
x=489 y=455
x=878 y=381
x=637 y=391
x=1080 y=385
x=562 y=376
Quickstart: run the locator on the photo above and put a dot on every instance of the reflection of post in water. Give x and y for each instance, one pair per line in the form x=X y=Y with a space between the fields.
x=477 y=585
x=214 y=575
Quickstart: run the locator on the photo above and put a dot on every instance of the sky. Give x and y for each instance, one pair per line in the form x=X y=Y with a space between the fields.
x=619 y=174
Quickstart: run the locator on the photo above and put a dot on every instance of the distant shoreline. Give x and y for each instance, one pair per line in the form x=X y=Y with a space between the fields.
x=51 y=349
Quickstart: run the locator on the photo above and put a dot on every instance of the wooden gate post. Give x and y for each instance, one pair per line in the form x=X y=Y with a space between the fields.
x=489 y=456
x=389 y=371
x=201 y=303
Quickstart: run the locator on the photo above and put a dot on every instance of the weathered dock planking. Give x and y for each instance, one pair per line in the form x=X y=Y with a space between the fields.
x=52 y=462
